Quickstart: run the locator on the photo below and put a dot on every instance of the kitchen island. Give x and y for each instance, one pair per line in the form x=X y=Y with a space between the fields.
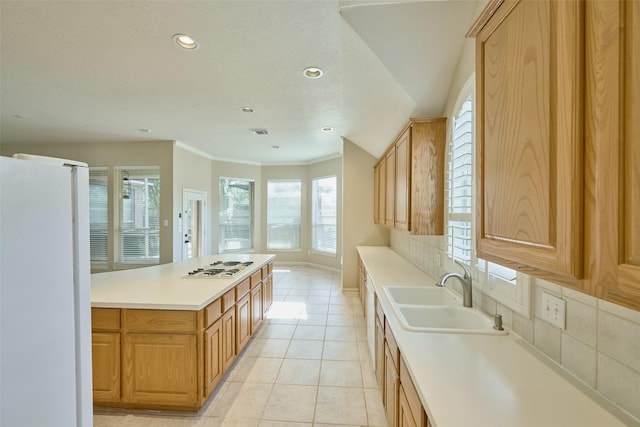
x=163 y=338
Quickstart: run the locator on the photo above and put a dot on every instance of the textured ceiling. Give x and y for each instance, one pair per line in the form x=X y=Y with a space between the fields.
x=97 y=71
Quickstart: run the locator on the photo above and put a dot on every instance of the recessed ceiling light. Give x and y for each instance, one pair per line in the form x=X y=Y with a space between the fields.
x=144 y=130
x=185 y=41
x=312 y=73
x=18 y=116
x=248 y=110
x=275 y=146
x=327 y=129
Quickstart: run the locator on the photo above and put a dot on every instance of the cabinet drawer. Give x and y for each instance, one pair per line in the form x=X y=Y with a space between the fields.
x=105 y=318
x=242 y=288
x=412 y=395
x=393 y=345
x=265 y=271
x=228 y=300
x=212 y=312
x=256 y=278
x=160 y=321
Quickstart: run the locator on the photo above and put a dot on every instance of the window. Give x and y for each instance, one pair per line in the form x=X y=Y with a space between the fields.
x=138 y=229
x=236 y=214
x=460 y=182
x=324 y=214
x=497 y=281
x=98 y=217
x=284 y=210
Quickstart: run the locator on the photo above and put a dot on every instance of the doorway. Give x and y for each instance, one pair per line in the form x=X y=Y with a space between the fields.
x=193 y=230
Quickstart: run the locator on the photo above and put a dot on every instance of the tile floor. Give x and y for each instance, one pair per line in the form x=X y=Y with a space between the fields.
x=307 y=365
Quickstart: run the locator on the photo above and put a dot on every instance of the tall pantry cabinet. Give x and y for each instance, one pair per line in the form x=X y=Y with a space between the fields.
x=557 y=142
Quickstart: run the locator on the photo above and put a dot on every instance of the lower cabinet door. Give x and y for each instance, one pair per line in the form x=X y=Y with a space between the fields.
x=379 y=353
x=391 y=386
x=228 y=339
x=105 y=354
x=213 y=368
x=267 y=295
x=256 y=307
x=405 y=418
x=161 y=369
x=243 y=319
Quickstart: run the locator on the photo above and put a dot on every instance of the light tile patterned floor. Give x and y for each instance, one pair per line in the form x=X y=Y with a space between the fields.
x=307 y=366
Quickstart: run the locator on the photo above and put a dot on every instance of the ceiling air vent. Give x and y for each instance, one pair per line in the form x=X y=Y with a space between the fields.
x=260 y=131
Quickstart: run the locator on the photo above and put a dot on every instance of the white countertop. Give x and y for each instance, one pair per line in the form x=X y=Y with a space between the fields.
x=164 y=287
x=479 y=380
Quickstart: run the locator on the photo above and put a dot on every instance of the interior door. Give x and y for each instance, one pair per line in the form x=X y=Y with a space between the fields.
x=193 y=224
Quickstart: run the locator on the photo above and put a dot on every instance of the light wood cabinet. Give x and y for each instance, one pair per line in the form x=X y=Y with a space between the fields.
x=613 y=152
x=405 y=417
x=256 y=307
x=174 y=359
x=390 y=188
x=558 y=163
x=402 y=191
x=159 y=365
x=379 y=356
x=228 y=338
x=409 y=179
x=243 y=319
x=105 y=352
x=391 y=375
x=267 y=295
x=160 y=370
x=428 y=147
x=529 y=137
x=376 y=194
x=213 y=367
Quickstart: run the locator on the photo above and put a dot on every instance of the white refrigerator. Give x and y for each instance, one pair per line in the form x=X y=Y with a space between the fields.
x=45 y=306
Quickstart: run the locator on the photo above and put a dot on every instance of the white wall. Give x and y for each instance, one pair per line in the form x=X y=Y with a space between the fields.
x=191 y=172
x=357 y=210
x=109 y=155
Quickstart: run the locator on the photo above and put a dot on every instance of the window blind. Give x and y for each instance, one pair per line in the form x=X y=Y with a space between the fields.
x=98 y=216
x=236 y=214
x=284 y=211
x=460 y=180
x=138 y=231
x=324 y=214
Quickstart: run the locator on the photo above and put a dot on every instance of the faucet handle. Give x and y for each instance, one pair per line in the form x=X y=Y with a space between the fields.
x=467 y=273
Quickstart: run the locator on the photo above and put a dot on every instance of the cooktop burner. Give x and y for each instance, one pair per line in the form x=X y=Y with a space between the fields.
x=219 y=270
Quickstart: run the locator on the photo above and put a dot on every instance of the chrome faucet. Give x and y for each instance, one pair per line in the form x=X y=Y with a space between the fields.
x=466 y=283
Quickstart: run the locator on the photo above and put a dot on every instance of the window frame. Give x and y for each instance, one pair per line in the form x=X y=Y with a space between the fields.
x=103 y=171
x=121 y=260
x=252 y=208
x=314 y=213
x=514 y=294
x=268 y=223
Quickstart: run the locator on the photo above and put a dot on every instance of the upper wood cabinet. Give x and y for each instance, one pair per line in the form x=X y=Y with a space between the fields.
x=558 y=159
x=409 y=179
x=613 y=150
x=529 y=137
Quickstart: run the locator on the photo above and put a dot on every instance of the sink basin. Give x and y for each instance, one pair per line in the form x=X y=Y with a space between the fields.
x=422 y=295
x=446 y=319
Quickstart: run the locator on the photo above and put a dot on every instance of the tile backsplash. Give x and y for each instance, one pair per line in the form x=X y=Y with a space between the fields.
x=600 y=345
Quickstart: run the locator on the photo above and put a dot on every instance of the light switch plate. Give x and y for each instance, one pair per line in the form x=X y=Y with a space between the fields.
x=553 y=310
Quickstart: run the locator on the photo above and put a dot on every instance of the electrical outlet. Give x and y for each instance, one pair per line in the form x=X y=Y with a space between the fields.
x=553 y=310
